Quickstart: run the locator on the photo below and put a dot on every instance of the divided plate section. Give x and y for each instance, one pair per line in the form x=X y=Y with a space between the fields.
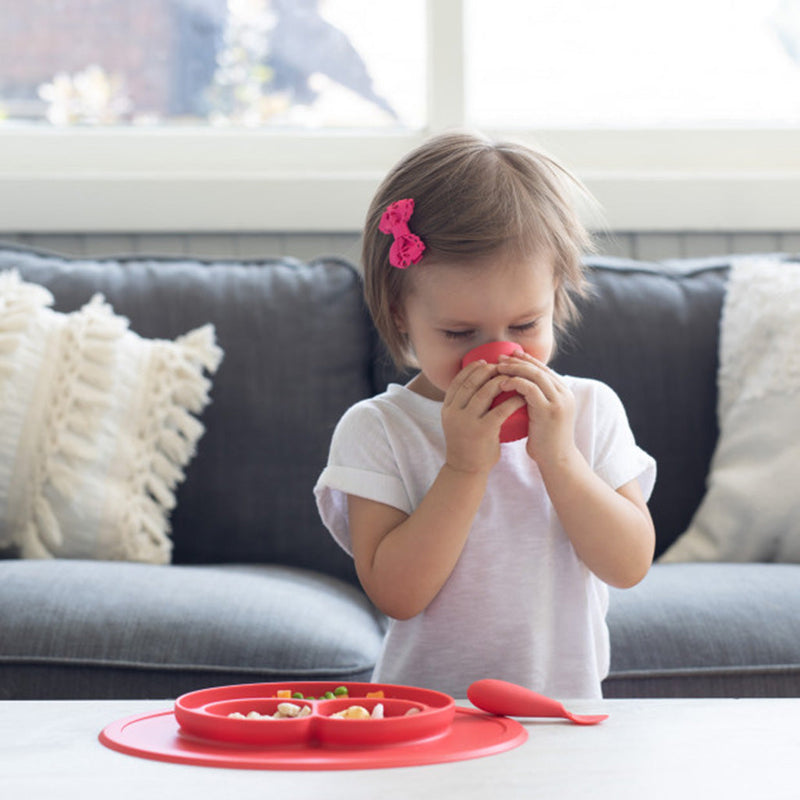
x=409 y=714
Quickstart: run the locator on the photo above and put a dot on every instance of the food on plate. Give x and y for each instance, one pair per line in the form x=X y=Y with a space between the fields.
x=285 y=711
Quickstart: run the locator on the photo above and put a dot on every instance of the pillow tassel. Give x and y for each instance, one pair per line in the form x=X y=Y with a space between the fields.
x=160 y=491
x=159 y=548
x=175 y=447
x=201 y=347
x=188 y=426
x=105 y=323
x=183 y=389
x=193 y=394
x=48 y=530
x=81 y=422
x=152 y=536
x=74 y=447
x=18 y=299
x=167 y=470
x=62 y=477
x=32 y=546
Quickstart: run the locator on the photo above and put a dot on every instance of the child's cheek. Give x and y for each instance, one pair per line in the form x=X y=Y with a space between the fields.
x=541 y=354
x=542 y=349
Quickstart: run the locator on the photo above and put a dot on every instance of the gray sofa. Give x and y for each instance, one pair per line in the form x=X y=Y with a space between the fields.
x=258 y=591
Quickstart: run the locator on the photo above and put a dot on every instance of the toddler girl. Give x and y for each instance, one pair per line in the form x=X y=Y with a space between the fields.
x=490 y=559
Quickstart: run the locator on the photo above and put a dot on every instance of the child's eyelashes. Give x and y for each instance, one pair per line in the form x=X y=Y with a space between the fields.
x=468 y=333
x=458 y=334
x=525 y=327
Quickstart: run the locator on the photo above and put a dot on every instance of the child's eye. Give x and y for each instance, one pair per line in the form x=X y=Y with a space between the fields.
x=525 y=327
x=458 y=334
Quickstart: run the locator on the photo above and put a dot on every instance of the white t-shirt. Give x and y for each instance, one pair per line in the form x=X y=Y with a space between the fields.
x=519 y=605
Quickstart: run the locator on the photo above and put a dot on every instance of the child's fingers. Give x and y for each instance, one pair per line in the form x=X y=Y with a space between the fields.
x=533 y=385
x=533 y=393
x=481 y=401
x=457 y=384
x=523 y=357
x=502 y=411
x=529 y=370
x=468 y=382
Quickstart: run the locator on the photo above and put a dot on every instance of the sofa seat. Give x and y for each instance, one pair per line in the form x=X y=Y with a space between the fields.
x=707 y=630
x=119 y=630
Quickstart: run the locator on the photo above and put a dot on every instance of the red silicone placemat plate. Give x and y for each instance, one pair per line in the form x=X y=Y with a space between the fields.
x=473 y=734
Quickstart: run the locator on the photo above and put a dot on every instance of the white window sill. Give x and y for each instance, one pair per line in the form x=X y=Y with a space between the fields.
x=204 y=180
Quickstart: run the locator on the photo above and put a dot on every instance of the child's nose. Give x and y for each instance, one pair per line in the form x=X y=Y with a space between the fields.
x=492 y=337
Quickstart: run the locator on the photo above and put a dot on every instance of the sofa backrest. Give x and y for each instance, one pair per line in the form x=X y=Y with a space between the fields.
x=299 y=350
x=297 y=343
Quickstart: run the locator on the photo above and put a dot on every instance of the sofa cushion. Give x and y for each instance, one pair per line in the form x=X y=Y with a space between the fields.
x=297 y=343
x=707 y=630
x=76 y=629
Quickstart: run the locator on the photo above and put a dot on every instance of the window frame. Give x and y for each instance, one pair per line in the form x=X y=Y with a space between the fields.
x=61 y=180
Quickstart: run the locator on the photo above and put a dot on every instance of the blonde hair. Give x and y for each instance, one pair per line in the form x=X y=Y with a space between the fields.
x=474 y=198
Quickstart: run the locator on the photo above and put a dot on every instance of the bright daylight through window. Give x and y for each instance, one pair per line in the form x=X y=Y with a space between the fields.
x=362 y=63
x=628 y=63
x=299 y=63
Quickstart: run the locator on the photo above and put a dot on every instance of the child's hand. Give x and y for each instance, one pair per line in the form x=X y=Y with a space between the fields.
x=551 y=406
x=471 y=425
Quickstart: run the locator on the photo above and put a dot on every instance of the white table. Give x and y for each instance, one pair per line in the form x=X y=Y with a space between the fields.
x=648 y=749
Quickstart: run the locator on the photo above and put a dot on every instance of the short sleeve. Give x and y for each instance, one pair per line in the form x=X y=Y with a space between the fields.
x=615 y=455
x=361 y=462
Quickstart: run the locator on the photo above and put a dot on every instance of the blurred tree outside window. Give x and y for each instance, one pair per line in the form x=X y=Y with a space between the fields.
x=281 y=63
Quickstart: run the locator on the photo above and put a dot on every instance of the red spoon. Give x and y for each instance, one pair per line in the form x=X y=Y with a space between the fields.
x=509 y=700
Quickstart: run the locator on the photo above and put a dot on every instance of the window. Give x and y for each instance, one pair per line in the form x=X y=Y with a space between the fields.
x=283 y=115
x=682 y=63
x=274 y=63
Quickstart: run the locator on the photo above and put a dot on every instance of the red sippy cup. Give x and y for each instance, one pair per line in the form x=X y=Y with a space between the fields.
x=516 y=426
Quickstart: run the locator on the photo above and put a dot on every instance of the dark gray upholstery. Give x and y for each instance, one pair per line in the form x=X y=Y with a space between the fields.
x=259 y=591
x=105 y=629
x=707 y=630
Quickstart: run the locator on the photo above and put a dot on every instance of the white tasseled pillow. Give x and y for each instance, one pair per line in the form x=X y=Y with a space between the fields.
x=96 y=427
x=751 y=510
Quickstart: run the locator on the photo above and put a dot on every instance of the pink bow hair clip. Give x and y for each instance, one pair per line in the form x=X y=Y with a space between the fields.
x=407 y=248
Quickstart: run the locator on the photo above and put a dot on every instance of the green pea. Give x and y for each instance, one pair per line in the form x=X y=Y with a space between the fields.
x=329 y=695
x=340 y=691
x=298 y=695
